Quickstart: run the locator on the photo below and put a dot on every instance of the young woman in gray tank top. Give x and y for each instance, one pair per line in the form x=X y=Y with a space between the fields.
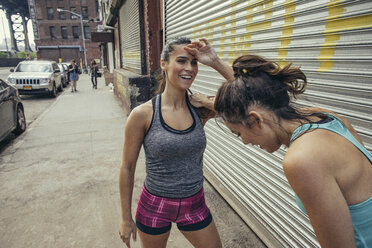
x=172 y=134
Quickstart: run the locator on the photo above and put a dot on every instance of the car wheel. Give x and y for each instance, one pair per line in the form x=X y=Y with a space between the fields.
x=64 y=84
x=53 y=93
x=21 y=121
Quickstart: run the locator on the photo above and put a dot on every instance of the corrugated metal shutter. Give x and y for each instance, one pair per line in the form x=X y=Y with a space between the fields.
x=330 y=40
x=130 y=36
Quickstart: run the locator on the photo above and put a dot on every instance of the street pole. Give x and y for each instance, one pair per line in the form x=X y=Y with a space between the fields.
x=82 y=32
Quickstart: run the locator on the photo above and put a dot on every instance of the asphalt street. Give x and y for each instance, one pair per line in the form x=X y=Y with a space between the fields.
x=59 y=179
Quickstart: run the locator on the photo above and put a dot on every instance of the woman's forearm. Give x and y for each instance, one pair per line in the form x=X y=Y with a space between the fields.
x=126 y=181
x=224 y=69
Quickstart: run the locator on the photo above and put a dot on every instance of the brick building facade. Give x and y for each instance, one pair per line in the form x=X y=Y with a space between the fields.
x=60 y=34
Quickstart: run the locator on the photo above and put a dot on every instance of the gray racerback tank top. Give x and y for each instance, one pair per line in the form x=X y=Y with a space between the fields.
x=174 y=158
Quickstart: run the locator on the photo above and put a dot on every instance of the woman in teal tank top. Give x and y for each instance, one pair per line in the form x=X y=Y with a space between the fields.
x=326 y=163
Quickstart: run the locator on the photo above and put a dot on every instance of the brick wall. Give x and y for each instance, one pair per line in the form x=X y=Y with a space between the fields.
x=44 y=24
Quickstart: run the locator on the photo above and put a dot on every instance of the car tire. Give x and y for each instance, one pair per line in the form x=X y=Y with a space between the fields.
x=21 y=121
x=53 y=93
x=63 y=81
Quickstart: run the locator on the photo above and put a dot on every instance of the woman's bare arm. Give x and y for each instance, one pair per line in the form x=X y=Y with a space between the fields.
x=306 y=168
x=135 y=129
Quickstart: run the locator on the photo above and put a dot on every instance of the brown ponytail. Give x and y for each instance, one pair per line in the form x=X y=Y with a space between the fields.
x=161 y=83
x=260 y=82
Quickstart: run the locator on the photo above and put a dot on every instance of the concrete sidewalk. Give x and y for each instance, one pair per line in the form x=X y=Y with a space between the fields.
x=59 y=180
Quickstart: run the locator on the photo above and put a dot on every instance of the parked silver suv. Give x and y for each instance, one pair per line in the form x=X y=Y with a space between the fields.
x=36 y=77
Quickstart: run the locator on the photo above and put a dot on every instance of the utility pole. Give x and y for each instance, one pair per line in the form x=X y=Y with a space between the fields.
x=82 y=32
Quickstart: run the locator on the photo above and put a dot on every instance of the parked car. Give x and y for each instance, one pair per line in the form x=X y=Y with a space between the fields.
x=12 y=114
x=67 y=65
x=64 y=74
x=32 y=77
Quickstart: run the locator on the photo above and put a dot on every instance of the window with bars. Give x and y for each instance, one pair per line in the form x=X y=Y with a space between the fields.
x=52 y=31
x=64 y=32
x=75 y=32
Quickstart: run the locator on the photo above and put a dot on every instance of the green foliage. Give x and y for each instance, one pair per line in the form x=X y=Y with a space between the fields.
x=33 y=55
x=23 y=55
x=3 y=55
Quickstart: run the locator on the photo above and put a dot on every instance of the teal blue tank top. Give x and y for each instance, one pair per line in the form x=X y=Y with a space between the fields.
x=361 y=213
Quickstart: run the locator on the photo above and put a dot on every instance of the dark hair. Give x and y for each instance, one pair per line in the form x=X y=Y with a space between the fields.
x=263 y=83
x=167 y=49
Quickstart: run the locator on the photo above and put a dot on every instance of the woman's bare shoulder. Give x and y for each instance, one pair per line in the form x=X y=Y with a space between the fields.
x=142 y=115
x=343 y=119
x=314 y=150
x=142 y=111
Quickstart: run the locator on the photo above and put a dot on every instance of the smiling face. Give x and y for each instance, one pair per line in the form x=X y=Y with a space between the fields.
x=180 y=69
x=262 y=132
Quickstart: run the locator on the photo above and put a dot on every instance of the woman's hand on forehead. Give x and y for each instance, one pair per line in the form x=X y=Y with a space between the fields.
x=203 y=51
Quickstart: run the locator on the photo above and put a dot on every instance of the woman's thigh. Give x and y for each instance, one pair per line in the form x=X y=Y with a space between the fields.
x=207 y=237
x=153 y=241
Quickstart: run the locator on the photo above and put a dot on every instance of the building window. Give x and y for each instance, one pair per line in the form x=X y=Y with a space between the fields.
x=64 y=32
x=52 y=31
x=87 y=32
x=75 y=32
x=50 y=13
x=84 y=13
x=62 y=15
x=73 y=9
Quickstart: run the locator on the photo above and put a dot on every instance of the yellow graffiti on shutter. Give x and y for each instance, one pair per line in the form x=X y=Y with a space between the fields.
x=222 y=40
x=287 y=31
x=196 y=31
x=247 y=35
x=240 y=48
x=233 y=51
x=335 y=23
x=327 y=50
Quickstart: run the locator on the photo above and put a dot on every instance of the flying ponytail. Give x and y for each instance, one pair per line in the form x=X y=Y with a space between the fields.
x=260 y=82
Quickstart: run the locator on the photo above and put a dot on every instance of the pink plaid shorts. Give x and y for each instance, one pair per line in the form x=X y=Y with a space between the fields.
x=154 y=214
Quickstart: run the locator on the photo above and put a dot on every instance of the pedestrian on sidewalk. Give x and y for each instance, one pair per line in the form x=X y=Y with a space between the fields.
x=173 y=138
x=74 y=72
x=326 y=163
x=93 y=73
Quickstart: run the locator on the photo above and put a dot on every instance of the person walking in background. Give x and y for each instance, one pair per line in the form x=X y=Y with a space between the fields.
x=73 y=70
x=326 y=163
x=173 y=138
x=93 y=73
